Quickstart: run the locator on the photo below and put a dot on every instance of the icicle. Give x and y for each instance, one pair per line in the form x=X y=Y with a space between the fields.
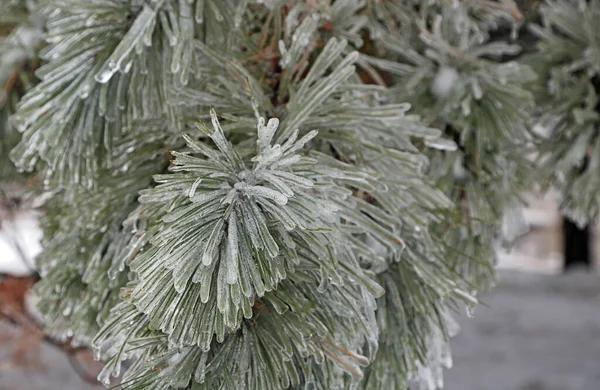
x=96 y=353
x=143 y=23
x=195 y=187
x=441 y=144
x=212 y=245
x=199 y=14
x=470 y=308
x=232 y=249
x=239 y=13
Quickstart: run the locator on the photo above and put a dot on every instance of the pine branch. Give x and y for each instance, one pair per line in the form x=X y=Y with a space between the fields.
x=258 y=259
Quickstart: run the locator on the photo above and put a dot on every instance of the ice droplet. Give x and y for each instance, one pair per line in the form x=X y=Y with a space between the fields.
x=127 y=67
x=470 y=311
x=361 y=360
x=96 y=351
x=104 y=76
x=470 y=308
x=104 y=379
x=84 y=91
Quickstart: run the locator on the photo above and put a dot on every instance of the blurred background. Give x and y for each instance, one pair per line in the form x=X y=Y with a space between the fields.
x=538 y=329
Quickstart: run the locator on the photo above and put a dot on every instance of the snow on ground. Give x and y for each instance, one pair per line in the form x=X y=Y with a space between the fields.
x=19 y=243
x=54 y=373
x=538 y=332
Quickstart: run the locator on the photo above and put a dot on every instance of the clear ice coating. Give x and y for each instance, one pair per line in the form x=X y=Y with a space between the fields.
x=237 y=227
x=143 y=23
x=441 y=144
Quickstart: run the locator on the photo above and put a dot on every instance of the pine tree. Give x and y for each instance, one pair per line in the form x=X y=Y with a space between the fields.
x=568 y=63
x=270 y=194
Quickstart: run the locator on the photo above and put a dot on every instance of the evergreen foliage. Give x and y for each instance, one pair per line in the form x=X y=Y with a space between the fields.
x=443 y=61
x=568 y=58
x=20 y=39
x=272 y=194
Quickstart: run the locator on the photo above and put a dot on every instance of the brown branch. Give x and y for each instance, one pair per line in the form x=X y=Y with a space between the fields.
x=344 y=364
x=358 y=359
x=11 y=82
x=508 y=6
